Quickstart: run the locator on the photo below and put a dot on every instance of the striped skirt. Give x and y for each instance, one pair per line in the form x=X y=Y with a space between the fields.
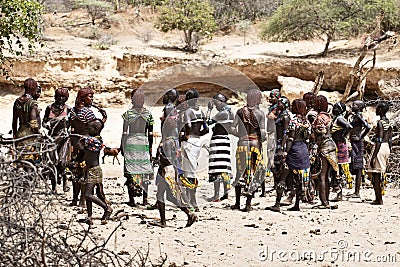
x=137 y=157
x=219 y=156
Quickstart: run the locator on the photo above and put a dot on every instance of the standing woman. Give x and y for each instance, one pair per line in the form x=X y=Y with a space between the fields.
x=360 y=129
x=56 y=121
x=296 y=156
x=380 y=156
x=340 y=129
x=249 y=126
x=321 y=127
x=136 y=144
x=80 y=116
x=219 y=169
x=26 y=111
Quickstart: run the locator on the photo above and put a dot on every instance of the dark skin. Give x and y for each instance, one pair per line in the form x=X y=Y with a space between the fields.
x=25 y=118
x=56 y=127
x=319 y=135
x=57 y=107
x=340 y=135
x=169 y=157
x=169 y=99
x=78 y=127
x=92 y=159
x=194 y=129
x=243 y=131
x=221 y=128
x=138 y=126
x=386 y=137
x=289 y=145
x=282 y=126
x=359 y=131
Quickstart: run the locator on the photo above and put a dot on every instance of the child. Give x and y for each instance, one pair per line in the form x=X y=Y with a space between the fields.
x=93 y=173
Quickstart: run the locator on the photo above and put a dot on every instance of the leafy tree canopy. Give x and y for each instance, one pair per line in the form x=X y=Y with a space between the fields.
x=302 y=20
x=19 y=19
x=96 y=8
x=189 y=16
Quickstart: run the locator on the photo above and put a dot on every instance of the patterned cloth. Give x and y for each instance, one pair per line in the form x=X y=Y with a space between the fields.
x=85 y=115
x=303 y=176
x=94 y=144
x=342 y=152
x=137 y=157
x=132 y=114
x=137 y=164
x=357 y=152
x=94 y=175
x=219 y=156
x=171 y=180
x=327 y=149
x=251 y=172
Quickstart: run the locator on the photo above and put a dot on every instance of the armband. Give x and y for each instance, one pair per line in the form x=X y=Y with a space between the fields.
x=33 y=124
x=285 y=132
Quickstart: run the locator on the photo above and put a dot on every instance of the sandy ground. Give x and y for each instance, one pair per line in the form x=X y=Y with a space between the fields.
x=223 y=237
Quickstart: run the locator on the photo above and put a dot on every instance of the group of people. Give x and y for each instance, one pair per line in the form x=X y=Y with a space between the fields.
x=303 y=146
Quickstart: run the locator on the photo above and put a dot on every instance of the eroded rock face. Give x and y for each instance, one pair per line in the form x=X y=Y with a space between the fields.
x=389 y=88
x=294 y=88
x=117 y=75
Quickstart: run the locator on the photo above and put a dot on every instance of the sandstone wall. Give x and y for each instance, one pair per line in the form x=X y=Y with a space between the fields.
x=116 y=75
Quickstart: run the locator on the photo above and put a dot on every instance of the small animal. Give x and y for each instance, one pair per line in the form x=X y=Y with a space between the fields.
x=108 y=151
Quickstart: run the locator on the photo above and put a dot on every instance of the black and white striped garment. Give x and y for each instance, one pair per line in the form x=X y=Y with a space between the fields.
x=220 y=155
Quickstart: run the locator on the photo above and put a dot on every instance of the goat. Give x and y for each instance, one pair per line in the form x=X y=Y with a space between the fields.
x=108 y=151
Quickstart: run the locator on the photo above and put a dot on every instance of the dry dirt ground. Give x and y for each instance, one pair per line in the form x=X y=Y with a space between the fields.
x=63 y=31
x=223 y=237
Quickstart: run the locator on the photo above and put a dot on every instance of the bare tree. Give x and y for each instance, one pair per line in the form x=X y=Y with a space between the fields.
x=358 y=73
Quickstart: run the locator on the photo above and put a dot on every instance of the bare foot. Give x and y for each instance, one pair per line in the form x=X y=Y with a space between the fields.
x=294 y=208
x=235 y=207
x=161 y=224
x=247 y=208
x=192 y=218
x=274 y=208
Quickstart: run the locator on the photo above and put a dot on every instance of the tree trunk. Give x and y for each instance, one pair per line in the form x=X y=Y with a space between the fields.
x=116 y=5
x=188 y=40
x=328 y=42
x=318 y=82
x=353 y=75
